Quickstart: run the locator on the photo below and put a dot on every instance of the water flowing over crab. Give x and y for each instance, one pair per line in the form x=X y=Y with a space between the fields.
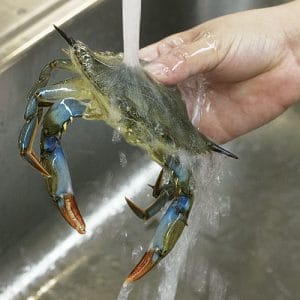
x=146 y=113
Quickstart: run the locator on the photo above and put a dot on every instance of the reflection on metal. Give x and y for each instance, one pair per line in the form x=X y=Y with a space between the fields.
x=52 y=282
x=114 y=206
x=11 y=48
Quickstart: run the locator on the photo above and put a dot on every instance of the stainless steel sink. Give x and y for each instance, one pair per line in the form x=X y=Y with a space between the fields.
x=247 y=242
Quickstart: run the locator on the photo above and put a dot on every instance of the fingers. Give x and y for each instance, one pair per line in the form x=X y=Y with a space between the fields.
x=182 y=55
x=164 y=46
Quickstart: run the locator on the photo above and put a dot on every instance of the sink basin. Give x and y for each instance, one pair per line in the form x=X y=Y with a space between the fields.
x=243 y=240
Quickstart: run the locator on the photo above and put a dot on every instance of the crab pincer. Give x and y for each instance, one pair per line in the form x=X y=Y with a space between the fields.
x=53 y=159
x=59 y=183
x=166 y=236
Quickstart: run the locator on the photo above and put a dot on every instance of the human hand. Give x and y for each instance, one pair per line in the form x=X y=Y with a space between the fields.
x=250 y=62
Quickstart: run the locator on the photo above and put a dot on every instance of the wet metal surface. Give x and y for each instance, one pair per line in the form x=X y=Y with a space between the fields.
x=254 y=252
x=24 y=23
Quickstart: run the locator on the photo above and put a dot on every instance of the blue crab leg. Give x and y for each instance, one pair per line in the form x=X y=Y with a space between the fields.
x=153 y=209
x=172 y=222
x=33 y=114
x=53 y=159
x=162 y=193
x=166 y=236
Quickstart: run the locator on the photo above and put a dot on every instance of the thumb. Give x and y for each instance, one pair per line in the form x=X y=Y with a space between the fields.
x=179 y=61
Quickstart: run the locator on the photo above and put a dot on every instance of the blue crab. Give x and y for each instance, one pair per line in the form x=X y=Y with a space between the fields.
x=146 y=113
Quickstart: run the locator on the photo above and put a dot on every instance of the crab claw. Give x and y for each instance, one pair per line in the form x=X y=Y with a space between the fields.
x=166 y=236
x=59 y=183
x=144 y=266
x=69 y=210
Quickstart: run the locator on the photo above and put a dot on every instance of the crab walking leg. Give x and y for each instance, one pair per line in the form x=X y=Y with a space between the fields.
x=166 y=236
x=162 y=192
x=33 y=114
x=26 y=140
x=172 y=222
x=68 y=88
x=157 y=188
x=153 y=209
x=53 y=159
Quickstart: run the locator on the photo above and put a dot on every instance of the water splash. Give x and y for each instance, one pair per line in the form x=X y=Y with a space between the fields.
x=123 y=159
x=173 y=264
x=193 y=92
x=217 y=285
x=116 y=138
x=137 y=252
x=205 y=217
x=125 y=291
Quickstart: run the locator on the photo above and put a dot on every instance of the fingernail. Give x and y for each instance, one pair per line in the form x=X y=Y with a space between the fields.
x=148 y=54
x=157 y=69
x=164 y=48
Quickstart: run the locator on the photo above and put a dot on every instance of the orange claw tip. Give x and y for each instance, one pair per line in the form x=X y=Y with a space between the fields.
x=69 y=210
x=143 y=267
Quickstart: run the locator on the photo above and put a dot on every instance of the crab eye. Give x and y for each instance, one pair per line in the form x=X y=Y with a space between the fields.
x=79 y=50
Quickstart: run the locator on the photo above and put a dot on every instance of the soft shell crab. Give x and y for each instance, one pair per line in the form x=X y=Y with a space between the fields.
x=146 y=113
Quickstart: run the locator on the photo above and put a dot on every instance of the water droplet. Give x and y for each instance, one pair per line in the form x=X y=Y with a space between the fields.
x=136 y=252
x=123 y=159
x=116 y=136
x=125 y=291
